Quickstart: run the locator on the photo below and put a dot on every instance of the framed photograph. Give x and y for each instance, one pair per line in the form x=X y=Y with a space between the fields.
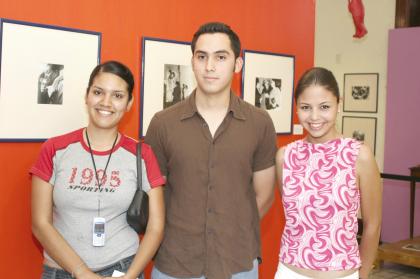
x=267 y=82
x=360 y=92
x=167 y=77
x=360 y=128
x=44 y=75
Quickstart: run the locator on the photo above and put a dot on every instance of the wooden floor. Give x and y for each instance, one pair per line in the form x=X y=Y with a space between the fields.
x=395 y=253
x=391 y=271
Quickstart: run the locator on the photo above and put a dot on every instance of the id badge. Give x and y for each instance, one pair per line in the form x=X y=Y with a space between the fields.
x=98 y=235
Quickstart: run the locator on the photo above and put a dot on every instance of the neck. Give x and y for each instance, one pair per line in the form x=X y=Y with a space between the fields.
x=101 y=139
x=212 y=102
x=332 y=136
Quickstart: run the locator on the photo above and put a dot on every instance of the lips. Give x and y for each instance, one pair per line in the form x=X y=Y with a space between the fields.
x=210 y=78
x=315 y=126
x=104 y=112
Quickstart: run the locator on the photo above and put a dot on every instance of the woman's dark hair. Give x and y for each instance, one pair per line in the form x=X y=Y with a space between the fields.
x=218 y=27
x=116 y=68
x=317 y=76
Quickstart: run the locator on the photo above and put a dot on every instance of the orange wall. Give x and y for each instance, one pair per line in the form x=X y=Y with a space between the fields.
x=281 y=26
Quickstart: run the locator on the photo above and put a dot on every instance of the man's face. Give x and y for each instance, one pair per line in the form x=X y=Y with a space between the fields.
x=214 y=63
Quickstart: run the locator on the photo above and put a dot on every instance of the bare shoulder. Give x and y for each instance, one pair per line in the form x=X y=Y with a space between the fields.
x=280 y=155
x=366 y=162
x=365 y=154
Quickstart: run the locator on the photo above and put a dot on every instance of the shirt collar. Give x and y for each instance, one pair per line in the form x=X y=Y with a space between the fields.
x=190 y=108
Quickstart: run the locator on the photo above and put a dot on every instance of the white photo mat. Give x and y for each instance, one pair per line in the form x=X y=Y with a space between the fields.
x=158 y=56
x=360 y=92
x=25 y=47
x=353 y=126
x=278 y=69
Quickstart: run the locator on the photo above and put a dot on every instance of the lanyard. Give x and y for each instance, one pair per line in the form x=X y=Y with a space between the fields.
x=94 y=165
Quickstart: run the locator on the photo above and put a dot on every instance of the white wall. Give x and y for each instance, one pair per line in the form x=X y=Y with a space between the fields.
x=337 y=50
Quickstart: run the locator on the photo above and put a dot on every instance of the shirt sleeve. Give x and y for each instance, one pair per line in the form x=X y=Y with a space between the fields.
x=152 y=176
x=265 y=155
x=154 y=137
x=44 y=166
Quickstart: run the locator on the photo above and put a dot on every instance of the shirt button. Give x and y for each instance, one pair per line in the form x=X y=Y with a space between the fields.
x=210 y=187
x=209 y=210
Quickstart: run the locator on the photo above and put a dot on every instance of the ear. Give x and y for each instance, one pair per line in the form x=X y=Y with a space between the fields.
x=340 y=104
x=239 y=62
x=130 y=104
x=192 y=62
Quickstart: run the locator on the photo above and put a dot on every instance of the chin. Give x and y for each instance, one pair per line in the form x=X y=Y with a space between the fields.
x=104 y=126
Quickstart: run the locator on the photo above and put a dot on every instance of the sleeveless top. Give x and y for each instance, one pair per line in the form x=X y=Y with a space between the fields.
x=321 y=200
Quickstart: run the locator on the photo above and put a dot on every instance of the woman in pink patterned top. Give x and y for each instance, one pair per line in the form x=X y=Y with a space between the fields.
x=324 y=179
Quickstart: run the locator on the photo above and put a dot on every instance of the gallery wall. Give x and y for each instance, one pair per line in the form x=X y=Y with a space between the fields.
x=337 y=50
x=279 y=26
x=402 y=132
x=393 y=54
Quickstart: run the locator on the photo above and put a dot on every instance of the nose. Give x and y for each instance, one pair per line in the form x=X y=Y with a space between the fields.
x=314 y=114
x=106 y=100
x=210 y=64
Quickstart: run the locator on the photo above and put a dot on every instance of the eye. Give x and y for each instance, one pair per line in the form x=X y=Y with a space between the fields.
x=97 y=92
x=201 y=56
x=119 y=95
x=221 y=57
x=304 y=107
x=325 y=107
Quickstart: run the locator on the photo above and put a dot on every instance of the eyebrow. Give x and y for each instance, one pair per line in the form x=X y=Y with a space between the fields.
x=98 y=87
x=323 y=103
x=222 y=51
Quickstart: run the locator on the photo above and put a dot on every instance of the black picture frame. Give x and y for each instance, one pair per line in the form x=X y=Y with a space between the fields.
x=166 y=77
x=361 y=128
x=268 y=83
x=360 y=93
x=44 y=72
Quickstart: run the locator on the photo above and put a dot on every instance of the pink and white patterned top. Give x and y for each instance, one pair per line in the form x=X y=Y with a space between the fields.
x=321 y=200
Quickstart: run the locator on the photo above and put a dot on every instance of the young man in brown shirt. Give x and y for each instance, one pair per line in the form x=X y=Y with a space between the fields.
x=217 y=153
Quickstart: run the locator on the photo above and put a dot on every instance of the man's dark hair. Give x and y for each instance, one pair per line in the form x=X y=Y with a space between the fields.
x=218 y=27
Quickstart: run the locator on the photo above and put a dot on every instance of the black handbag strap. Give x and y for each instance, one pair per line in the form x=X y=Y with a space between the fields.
x=139 y=167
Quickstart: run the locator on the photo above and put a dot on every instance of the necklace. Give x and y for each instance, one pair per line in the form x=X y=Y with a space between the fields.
x=93 y=159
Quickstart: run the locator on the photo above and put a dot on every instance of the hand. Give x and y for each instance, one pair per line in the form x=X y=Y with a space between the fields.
x=122 y=276
x=88 y=274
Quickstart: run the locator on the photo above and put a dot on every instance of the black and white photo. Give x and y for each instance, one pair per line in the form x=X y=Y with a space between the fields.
x=50 y=84
x=178 y=84
x=358 y=135
x=360 y=92
x=268 y=93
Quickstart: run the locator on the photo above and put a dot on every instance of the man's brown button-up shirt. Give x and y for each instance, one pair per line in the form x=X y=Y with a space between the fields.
x=212 y=221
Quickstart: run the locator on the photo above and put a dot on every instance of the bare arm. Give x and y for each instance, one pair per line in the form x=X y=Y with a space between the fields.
x=371 y=205
x=50 y=239
x=263 y=182
x=153 y=236
x=279 y=167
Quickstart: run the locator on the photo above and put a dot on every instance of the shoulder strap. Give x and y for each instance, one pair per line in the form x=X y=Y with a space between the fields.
x=139 y=167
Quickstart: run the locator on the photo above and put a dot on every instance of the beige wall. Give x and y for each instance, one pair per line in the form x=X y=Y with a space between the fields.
x=337 y=50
